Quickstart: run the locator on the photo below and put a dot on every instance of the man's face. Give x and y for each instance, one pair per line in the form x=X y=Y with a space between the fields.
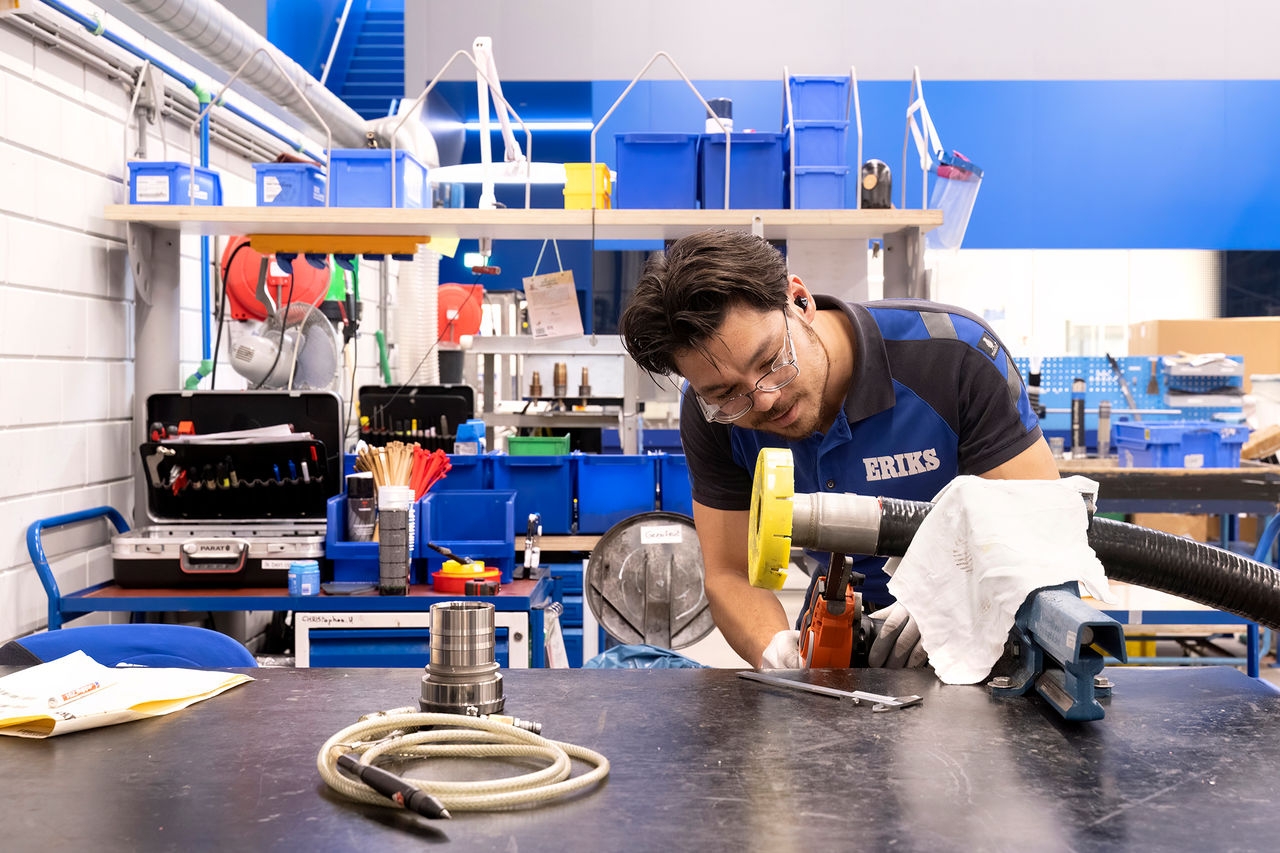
x=744 y=352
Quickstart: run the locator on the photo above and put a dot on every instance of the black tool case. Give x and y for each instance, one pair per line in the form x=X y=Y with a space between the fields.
x=426 y=414
x=232 y=513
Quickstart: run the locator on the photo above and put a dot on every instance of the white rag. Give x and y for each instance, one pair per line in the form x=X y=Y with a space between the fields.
x=984 y=547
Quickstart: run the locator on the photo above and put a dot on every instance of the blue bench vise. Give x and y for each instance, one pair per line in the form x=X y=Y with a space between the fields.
x=1057 y=647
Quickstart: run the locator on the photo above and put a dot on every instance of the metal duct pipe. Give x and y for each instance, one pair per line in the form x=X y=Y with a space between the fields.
x=225 y=40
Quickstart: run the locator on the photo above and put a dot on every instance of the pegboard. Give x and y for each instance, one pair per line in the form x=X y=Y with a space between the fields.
x=1102 y=383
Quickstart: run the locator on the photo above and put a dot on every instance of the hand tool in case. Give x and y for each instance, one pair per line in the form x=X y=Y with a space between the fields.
x=229 y=511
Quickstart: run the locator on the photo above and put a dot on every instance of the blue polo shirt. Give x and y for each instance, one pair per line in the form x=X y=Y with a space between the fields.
x=934 y=395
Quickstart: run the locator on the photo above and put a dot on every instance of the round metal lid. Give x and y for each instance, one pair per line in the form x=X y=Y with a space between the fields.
x=644 y=581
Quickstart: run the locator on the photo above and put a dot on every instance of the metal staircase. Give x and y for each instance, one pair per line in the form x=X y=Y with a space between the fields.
x=375 y=75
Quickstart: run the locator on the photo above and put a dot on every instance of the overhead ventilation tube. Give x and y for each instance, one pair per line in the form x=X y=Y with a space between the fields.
x=222 y=38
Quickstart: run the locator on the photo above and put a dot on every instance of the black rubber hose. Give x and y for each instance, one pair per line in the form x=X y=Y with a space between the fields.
x=1131 y=554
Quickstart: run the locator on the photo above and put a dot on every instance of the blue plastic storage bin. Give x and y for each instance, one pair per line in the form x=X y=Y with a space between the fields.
x=469 y=472
x=819 y=98
x=475 y=524
x=352 y=561
x=1179 y=444
x=820 y=187
x=613 y=487
x=361 y=177
x=677 y=493
x=657 y=171
x=169 y=182
x=755 y=171
x=385 y=647
x=289 y=184
x=543 y=484
x=820 y=143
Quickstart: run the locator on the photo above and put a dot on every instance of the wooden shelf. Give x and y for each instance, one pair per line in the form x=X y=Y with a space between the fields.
x=519 y=224
x=778 y=224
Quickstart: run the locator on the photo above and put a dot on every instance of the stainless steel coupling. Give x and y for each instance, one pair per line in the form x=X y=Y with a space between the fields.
x=462 y=676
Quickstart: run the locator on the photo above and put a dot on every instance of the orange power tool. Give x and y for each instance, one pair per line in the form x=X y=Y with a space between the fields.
x=832 y=631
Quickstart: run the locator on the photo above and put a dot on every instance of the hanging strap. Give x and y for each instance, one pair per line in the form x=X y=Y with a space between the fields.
x=538 y=262
x=934 y=147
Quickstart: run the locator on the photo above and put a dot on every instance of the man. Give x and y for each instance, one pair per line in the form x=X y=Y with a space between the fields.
x=892 y=399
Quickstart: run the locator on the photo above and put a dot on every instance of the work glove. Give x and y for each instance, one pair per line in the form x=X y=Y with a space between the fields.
x=897 y=644
x=783 y=651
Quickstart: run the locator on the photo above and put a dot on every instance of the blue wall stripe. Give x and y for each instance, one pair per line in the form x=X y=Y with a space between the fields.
x=1069 y=164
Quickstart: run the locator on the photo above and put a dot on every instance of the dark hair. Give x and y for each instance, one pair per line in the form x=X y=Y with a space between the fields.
x=684 y=294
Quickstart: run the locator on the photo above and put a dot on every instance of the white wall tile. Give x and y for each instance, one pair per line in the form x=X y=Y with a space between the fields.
x=100 y=191
x=110 y=451
x=42 y=324
x=88 y=140
x=109 y=97
x=21 y=465
x=115 y=262
x=106 y=327
x=60 y=73
x=33 y=117
x=18 y=189
x=86 y=390
x=65 y=456
x=27 y=391
x=35 y=248
x=120 y=385
x=114 y=152
x=17 y=53
x=61 y=193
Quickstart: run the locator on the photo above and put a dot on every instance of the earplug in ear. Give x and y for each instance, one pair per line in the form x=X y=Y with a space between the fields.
x=802 y=302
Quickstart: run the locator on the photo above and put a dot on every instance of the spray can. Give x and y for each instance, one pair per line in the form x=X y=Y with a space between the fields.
x=1078 y=448
x=362 y=512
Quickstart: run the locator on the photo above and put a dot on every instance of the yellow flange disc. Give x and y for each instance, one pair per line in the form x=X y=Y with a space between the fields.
x=769 y=540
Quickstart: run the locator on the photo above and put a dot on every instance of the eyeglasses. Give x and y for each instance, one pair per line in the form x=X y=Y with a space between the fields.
x=783 y=373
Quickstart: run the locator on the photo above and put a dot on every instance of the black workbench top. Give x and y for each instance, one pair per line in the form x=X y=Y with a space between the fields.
x=1186 y=759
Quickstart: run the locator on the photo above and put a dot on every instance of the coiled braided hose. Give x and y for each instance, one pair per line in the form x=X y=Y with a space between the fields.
x=402 y=736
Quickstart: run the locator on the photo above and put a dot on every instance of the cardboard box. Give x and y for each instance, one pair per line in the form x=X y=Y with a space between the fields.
x=1255 y=338
x=1201 y=528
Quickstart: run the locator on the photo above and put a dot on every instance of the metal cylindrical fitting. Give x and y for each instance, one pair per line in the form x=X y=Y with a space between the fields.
x=839 y=523
x=560 y=378
x=535 y=387
x=584 y=388
x=462 y=677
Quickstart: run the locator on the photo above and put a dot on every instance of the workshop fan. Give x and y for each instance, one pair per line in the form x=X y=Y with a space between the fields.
x=296 y=348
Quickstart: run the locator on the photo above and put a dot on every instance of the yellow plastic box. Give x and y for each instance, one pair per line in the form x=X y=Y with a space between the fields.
x=577 y=186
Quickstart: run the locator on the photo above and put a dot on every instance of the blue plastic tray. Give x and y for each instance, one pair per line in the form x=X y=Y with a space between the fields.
x=169 y=182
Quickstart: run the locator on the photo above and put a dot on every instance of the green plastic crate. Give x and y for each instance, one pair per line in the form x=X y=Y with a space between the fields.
x=538 y=445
